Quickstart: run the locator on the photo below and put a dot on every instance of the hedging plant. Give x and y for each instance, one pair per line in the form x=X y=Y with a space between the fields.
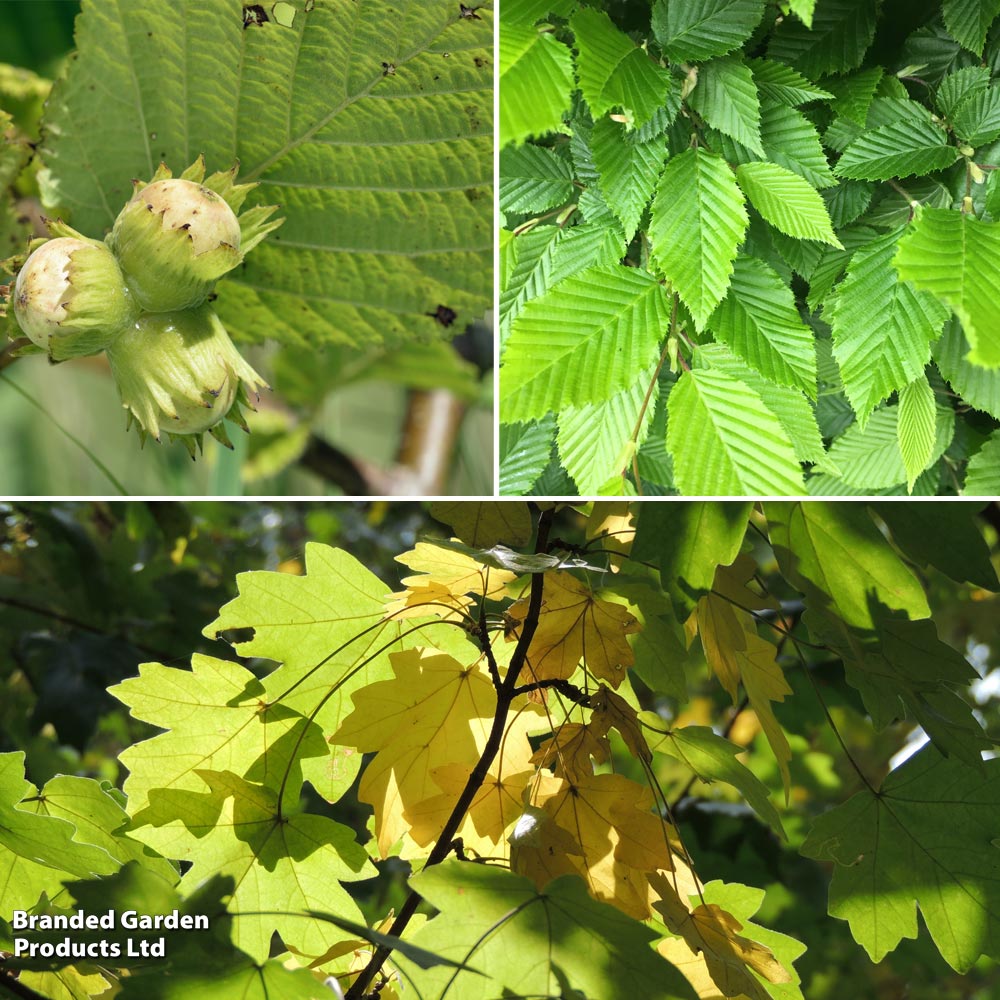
x=750 y=248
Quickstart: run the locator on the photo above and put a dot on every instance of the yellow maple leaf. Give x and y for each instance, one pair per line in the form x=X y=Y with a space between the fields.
x=709 y=943
x=599 y=826
x=613 y=522
x=612 y=710
x=575 y=625
x=458 y=572
x=498 y=801
x=735 y=652
x=568 y=751
x=419 y=601
x=435 y=711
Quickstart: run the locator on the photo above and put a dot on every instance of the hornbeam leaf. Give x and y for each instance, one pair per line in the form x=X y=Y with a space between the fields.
x=742 y=449
x=726 y=97
x=977 y=121
x=899 y=149
x=787 y=201
x=545 y=946
x=979 y=387
x=614 y=72
x=958 y=87
x=759 y=323
x=536 y=73
x=836 y=41
x=525 y=450
x=533 y=179
x=791 y=141
x=376 y=146
x=968 y=21
x=698 y=221
x=783 y=84
x=982 y=477
x=582 y=341
x=871 y=457
x=882 y=327
x=693 y=31
x=917 y=427
x=926 y=838
x=957 y=258
x=628 y=170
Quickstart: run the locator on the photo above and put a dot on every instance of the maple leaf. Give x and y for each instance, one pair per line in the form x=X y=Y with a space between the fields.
x=599 y=826
x=926 y=838
x=709 y=929
x=718 y=945
x=612 y=710
x=736 y=653
x=36 y=851
x=435 y=711
x=328 y=630
x=282 y=865
x=568 y=751
x=613 y=523
x=530 y=943
x=485 y=523
x=575 y=625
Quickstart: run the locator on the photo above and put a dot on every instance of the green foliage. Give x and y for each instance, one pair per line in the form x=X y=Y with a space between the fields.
x=819 y=192
x=551 y=758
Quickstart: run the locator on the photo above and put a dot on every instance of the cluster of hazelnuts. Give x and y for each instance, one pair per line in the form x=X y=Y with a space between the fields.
x=143 y=296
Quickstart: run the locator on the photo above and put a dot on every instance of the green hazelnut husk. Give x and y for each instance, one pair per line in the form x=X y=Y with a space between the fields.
x=179 y=373
x=70 y=298
x=178 y=235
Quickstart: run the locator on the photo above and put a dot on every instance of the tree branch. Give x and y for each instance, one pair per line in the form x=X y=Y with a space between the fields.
x=505 y=696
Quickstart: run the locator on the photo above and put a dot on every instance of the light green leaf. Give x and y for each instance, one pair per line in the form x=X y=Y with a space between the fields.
x=582 y=341
x=742 y=448
x=835 y=555
x=901 y=149
x=839 y=36
x=917 y=427
x=794 y=412
x=957 y=258
x=547 y=254
x=871 y=457
x=711 y=758
x=790 y=203
x=924 y=839
x=758 y=321
x=536 y=76
x=525 y=450
x=593 y=439
x=882 y=327
x=546 y=942
x=530 y=11
x=968 y=21
x=698 y=220
x=982 y=475
x=804 y=9
x=979 y=387
x=533 y=179
x=628 y=170
x=693 y=31
x=781 y=83
x=791 y=140
x=377 y=147
x=614 y=72
x=726 y=97
x=282 y=865
x=38 y=852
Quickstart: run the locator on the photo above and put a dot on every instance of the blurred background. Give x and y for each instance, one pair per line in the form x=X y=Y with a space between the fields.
x=417 y=421
x=88 y=590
